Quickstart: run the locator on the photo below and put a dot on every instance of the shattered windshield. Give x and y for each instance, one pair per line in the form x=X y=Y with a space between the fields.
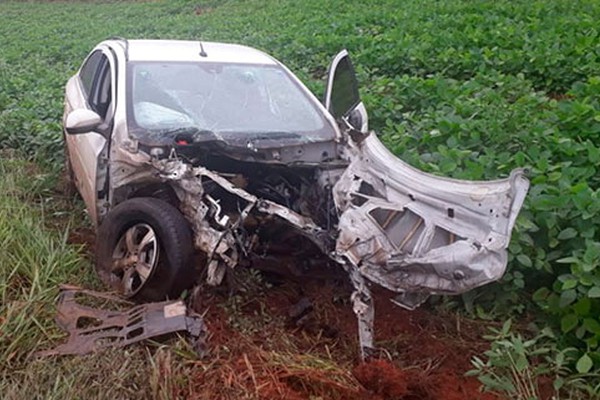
x=230 y=100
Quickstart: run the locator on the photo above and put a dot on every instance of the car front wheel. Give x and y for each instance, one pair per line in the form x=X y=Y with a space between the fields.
x=144 y=250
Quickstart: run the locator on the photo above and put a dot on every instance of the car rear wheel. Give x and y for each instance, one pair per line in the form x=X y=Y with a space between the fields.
x=144 y=250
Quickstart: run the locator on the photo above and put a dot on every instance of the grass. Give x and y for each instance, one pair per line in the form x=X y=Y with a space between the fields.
x=37 y=256
x=34 y=264
x=469 y=89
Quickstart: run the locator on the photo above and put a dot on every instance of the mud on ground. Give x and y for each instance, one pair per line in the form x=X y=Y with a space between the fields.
x=259 y=351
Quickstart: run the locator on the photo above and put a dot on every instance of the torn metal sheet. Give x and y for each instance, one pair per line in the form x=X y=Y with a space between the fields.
x=410 y=232
x=215 y=233
x=94 y=329
x=413 y=232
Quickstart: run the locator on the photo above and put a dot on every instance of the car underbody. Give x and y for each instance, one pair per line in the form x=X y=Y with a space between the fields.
x=378 y=218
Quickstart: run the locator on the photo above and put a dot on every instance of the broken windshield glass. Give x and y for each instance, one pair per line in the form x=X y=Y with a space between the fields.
x=229 y=99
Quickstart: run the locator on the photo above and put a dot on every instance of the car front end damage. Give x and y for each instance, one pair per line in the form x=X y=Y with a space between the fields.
x=378 y=218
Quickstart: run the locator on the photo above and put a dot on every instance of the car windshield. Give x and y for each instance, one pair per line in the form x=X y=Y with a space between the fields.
x=230 y=100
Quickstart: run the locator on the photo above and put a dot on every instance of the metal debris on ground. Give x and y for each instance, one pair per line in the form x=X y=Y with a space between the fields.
x=94 y=329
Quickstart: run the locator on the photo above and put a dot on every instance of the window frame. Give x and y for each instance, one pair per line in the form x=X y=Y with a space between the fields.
x=98 y=95
x=92 y=63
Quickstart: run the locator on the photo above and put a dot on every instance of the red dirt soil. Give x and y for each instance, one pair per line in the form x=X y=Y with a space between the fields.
x=430 y=352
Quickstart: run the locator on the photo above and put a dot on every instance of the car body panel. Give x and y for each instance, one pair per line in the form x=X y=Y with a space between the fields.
x=416 y=232
x=84 y=150
x=184 y=50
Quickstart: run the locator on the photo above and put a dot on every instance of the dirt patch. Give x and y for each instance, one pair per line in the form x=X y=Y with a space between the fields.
x=202 y=10
x=383 y=379
x=83 y=236
x=259 y=351
x=249 y=362
x=560 y=96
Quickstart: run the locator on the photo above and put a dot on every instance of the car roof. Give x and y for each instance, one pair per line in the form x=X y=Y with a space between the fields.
x=187 y=50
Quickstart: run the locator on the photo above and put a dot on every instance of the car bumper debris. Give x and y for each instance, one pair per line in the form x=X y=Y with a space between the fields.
x=92 y=329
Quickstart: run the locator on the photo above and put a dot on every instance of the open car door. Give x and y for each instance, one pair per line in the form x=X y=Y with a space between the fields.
x=409 y=231
x=341 y=96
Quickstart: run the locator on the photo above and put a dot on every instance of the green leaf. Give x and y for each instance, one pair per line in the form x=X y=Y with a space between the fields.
x=582 y=307
x=568 y=322
x=521 y=363
x=524 y=260
x=567 y=297
x=588 y=267
x=568 y=260
x=592 y=325
x=569 y=284
x=518 y=345
x=584 y=364
x=592 y=253
x=519 y=283
x=566 y=234
x=506 y=326
x=594 y=292
x=580 y=332
x=541 y=294
x=581 y=186
x=558 y=383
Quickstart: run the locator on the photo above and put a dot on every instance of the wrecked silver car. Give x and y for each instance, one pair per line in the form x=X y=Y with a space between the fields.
x=194 y=158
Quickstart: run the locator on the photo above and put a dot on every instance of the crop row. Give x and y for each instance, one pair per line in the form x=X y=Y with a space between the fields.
x=469 y=89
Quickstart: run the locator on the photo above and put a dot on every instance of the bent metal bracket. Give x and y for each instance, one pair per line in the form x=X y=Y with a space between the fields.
x=93 y=329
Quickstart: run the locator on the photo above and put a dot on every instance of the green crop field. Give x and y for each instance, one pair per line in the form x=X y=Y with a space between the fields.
x=467 y=89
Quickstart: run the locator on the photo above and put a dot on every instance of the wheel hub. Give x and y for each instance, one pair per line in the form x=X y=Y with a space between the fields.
x=135 y=257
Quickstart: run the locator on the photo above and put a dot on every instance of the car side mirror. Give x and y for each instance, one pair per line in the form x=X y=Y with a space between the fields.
x=82 y=121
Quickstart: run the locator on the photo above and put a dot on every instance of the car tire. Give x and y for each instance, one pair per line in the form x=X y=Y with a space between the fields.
x=144 y=250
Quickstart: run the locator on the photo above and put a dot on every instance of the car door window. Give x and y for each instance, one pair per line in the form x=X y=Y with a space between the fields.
x=101 y=93
x=89 y=71
x=342 y=99
x=95 y=76
x=342 y=95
